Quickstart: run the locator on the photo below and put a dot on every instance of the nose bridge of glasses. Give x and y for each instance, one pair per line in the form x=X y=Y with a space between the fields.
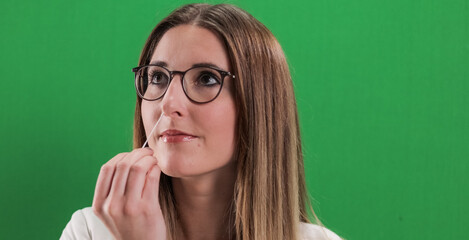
x=173 y=73
x=172 y=76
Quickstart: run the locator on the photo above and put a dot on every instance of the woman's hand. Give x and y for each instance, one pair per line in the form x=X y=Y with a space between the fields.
x=126 y=196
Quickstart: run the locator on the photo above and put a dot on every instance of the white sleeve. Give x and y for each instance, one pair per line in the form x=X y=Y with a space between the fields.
x=77 y=228
x=315 y=232
x=85 y=225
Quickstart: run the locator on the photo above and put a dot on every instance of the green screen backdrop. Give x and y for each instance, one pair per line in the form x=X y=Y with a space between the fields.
x=382 y=90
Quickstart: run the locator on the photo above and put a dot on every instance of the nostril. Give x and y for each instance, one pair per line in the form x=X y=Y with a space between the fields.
x=173 y=107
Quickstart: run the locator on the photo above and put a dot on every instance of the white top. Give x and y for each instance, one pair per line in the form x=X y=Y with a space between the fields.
x=86 y=225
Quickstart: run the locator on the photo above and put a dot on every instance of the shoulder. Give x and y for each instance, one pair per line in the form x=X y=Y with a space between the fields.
x=310 y=231
x=84 y=224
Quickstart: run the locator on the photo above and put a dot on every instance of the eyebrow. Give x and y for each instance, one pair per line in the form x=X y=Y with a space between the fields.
x=202 y=64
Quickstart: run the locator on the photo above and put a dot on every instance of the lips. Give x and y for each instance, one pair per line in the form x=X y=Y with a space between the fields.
x=173 y=136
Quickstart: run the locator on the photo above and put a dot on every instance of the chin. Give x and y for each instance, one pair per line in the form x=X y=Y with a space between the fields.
x=178 y=167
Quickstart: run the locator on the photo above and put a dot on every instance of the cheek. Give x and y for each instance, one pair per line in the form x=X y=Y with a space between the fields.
x=220 y=125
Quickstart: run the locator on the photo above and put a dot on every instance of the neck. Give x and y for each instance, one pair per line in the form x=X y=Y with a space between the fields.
x=204 y=202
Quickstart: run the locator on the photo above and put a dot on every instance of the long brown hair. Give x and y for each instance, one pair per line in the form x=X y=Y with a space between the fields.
x=270 y=194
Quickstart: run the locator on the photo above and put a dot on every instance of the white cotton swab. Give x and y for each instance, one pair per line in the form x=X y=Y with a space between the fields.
x=156 y=124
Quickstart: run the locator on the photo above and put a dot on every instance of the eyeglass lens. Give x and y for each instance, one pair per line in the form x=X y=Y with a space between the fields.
x=200 y=84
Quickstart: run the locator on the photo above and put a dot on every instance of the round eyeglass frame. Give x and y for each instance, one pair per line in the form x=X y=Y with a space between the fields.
x=183 y=73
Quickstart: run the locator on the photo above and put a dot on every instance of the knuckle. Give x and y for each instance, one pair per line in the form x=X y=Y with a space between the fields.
x=137 y=169
x=122 y=165
x=106 y=168
x=119 y=156
x=113 y=210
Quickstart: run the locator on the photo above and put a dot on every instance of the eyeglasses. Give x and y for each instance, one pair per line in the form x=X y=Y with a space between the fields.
x=201 y=84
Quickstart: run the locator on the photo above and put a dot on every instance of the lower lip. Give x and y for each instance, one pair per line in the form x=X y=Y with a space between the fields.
x=177 y=138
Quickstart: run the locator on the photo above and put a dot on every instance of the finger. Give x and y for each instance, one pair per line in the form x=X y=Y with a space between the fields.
x=136 y=178
x=152 y=184
x=103 y=184
x=122 y=170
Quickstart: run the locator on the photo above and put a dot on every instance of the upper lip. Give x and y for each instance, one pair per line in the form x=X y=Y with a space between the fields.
x=174 y=132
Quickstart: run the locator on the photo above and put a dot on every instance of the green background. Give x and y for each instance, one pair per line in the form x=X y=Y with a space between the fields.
x=382 y=89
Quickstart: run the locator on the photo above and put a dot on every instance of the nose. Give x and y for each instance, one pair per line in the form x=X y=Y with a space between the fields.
x=174 y=101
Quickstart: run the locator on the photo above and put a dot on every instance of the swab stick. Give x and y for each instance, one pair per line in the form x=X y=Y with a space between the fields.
x=156 y=124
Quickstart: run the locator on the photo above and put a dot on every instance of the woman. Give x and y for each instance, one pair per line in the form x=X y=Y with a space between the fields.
x=225 y=160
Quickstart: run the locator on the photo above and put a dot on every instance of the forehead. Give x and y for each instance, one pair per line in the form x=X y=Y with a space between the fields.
x=183 y=46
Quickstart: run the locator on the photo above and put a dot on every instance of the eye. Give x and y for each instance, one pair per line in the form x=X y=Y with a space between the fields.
x=158 y=78
x=207 y=79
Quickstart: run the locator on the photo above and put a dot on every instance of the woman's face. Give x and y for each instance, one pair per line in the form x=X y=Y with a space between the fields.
x=211 y=125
